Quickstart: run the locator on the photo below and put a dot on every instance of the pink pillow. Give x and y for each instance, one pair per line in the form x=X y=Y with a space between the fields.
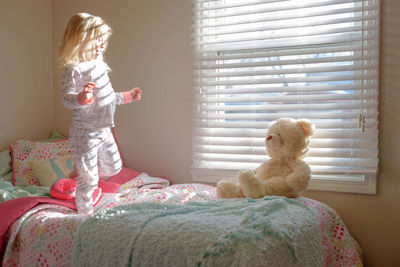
x=23 y=151
x=64 y=188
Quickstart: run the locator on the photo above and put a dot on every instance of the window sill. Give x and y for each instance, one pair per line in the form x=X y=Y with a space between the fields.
x=362 y=184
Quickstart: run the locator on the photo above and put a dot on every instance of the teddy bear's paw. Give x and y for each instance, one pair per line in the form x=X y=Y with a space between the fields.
x=250 y=184
x=228 y=189
x=247 y=176
x=246 y=172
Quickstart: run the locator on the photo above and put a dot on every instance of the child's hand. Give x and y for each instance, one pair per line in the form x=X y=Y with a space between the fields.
x=86 y=96
x=136 y=93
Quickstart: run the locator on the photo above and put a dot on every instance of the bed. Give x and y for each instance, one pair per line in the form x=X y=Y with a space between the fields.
x=148 y=221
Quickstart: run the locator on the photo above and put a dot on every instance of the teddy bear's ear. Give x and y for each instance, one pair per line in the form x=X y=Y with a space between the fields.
x=306 y=126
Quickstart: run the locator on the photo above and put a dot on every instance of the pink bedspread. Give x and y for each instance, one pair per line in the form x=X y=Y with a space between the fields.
x=13 y=209
x=43 y=236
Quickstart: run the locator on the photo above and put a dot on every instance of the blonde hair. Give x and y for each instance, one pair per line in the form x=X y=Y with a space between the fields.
x=79 y=39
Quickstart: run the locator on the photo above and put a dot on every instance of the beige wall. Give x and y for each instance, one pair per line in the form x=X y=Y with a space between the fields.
x=151 y=48
x=26 y=100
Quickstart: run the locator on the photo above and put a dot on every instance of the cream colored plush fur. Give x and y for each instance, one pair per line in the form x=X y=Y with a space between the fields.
x=285 y=173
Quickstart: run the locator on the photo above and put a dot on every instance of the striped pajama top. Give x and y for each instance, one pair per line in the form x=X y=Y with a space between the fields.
x=99 y=114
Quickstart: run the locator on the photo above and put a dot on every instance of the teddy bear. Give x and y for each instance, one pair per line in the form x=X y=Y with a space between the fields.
x=285 y=173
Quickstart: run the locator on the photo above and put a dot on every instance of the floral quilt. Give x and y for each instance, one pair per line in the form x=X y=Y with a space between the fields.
x=44 y=236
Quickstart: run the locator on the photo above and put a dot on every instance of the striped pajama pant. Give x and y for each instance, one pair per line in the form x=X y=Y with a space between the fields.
x=95 y=154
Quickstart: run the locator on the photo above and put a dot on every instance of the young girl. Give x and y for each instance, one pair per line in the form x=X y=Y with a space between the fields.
x=86 y=89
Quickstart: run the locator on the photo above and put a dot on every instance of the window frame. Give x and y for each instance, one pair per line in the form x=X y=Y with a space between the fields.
x=364 y=184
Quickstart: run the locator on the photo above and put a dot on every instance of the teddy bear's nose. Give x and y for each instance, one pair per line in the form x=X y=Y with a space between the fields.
x=269 y=137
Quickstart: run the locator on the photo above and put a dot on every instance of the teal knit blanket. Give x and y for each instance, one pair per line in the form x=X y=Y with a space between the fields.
x=272 y=231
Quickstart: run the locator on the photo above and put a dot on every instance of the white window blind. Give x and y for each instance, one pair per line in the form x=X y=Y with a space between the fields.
x=260 y=60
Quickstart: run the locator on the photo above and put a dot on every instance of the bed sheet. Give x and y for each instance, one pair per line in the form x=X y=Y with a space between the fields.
x=8 y=191
x=44 y=236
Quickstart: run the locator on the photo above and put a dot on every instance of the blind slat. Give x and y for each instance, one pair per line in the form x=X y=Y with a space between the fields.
x=284 y=80
x=291 y=24
x=200 y=166
x=292 y=33
x=261 y=133
x=356 y=162
x=354 y=47
x=282 y=62
x=278 y=6
x=313 y=152
x=291 y=107
x=267 y=18
x=354 y=68
x=290 y=42
x=342 y=124
x=288 y=98
x=276 y=116
x=259 y=142
x=371 y=86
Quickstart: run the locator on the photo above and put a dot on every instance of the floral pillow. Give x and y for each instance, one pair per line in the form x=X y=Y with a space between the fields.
x=24 y=151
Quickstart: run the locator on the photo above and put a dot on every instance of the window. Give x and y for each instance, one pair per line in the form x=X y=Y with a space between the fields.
x=259 y=60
